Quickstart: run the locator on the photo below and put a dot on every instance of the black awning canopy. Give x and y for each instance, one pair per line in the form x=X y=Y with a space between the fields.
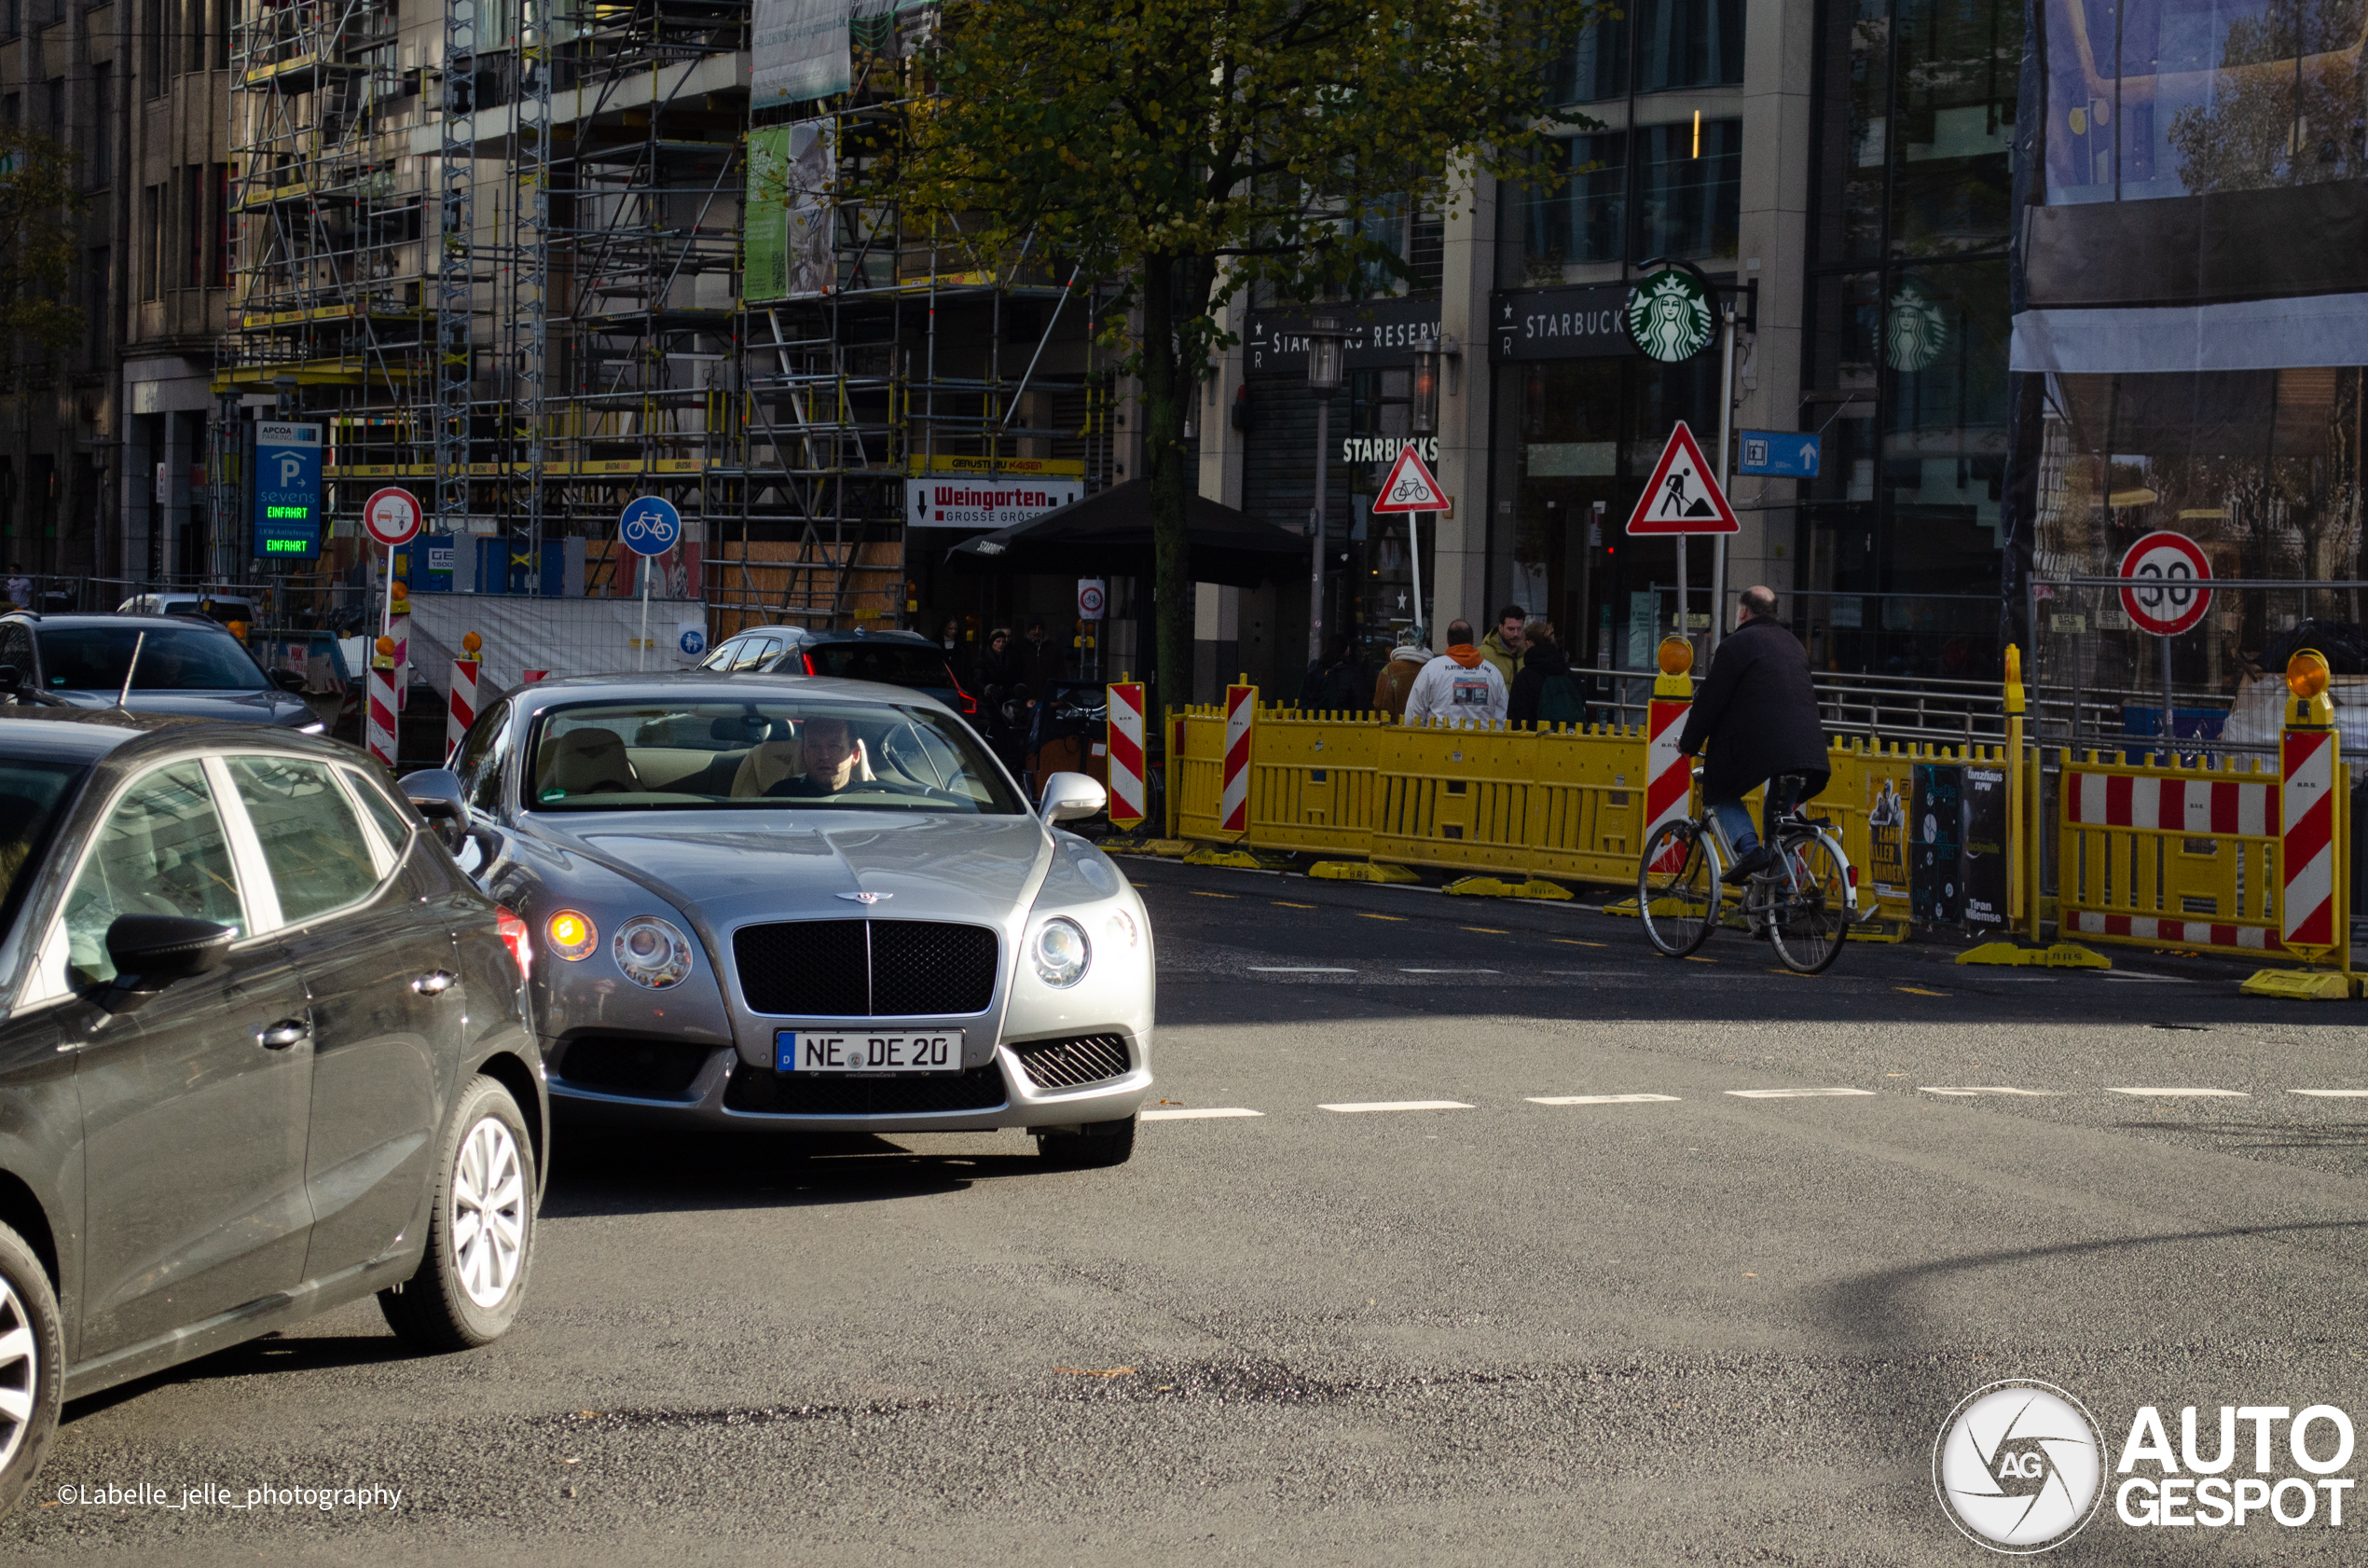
x=1109 y=534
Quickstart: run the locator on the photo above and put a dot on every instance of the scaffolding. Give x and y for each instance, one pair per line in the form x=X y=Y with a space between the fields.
x=497 y=248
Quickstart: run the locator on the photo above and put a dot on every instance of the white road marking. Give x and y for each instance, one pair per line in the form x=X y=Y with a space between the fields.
x=2332 y=1094
x=1446 y=972
x=1299 y=969
x=1992 y=1089
x=1791 y=1093
x=1184 y=1113
x=2157 y=979
x=2183 y=1093
x=1354 y=1106
x=1597 y=1099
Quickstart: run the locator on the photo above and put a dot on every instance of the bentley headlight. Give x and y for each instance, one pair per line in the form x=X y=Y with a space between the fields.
x=652 y=952
x=1061 y=952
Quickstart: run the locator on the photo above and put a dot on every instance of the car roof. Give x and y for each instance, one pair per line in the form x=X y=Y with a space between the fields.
x=807 y=634
x=87 y=734
x=70 y=619
x=715 y=686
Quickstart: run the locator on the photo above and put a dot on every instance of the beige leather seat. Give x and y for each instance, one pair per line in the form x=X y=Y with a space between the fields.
x=588 y=762
x=768 y=763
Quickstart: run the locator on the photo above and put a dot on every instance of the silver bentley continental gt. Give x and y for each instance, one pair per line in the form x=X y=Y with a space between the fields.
x=809 y=904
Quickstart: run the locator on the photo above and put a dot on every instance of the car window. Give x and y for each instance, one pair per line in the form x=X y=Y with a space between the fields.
x=311 y=840
x=15 y=648
x=768 y=752
x=899 y=663
x=723 y=656
x=756 y=652
x=392 y=823
x=480 y=762
x=161 y=851
x=31 y=797
x=171 y=659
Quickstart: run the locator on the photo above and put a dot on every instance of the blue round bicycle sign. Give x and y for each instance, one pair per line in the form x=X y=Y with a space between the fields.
x=650 y=525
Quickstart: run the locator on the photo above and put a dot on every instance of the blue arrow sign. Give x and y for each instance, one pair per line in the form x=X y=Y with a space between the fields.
x=650 y=525
x=1780 y=454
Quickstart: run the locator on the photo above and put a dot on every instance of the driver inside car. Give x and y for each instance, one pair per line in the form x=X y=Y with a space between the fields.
x=828 y=758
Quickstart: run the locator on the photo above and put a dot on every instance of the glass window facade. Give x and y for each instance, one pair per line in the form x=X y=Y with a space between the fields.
x=1905 y=356
x=1629 y=195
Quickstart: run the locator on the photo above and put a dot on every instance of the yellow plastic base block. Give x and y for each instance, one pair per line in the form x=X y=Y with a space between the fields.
x=2303 y=985
x=1496 y=887
x=2063 y=956
x=1239 y=859
x=1171 y=847
x=1883 y=927
x=1361 y=870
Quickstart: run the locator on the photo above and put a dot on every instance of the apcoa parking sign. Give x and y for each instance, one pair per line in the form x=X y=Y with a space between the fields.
x=287 y=491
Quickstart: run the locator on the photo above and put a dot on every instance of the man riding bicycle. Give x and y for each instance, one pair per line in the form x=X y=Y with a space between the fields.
x=1759 y=708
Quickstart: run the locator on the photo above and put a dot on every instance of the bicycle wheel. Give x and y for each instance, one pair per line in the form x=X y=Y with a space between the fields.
x=1677 y=889
x=1812 y=910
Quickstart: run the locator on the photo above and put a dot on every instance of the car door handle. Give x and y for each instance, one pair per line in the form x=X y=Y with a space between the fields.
x=285 y=1033
x=434 y=985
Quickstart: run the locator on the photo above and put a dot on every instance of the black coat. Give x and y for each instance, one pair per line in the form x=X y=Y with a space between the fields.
x=1541 y=660
x=1758 y=712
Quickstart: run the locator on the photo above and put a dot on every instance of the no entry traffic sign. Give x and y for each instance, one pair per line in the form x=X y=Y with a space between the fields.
x=2165 y=582
x=392 y=516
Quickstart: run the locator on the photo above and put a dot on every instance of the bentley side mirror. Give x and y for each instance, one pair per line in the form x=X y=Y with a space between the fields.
x=434 y=794
x=152 y=950
x=1069 y=796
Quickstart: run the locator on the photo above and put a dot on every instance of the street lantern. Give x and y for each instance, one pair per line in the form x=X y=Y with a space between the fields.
x=1327 y=349
x=1424 y=416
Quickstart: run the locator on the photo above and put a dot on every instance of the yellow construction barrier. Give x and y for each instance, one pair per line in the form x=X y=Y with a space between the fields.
x=2168 y=856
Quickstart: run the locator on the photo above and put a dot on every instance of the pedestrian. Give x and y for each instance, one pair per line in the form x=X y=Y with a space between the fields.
x=1397 y=680
x=1758 y=714
x=958 y=658
x=1458 y=686
x=998 y=668
x=1042 y=661
x=1333 y=683
x=1545 y=692
x=1502 y=647
x=19 y=587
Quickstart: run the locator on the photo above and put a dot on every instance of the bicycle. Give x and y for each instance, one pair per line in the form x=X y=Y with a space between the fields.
x=1805 y=902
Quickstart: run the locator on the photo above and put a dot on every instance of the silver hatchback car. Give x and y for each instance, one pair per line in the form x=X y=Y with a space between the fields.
x=804 y=904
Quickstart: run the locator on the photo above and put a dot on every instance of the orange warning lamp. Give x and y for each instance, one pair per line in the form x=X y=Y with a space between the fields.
x=386 y=647
x=400 y=597
x=1676 y=656
x=2307 y=673
x=470 y=643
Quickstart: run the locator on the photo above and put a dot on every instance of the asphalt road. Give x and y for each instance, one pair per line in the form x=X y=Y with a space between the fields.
x=1722 y=1323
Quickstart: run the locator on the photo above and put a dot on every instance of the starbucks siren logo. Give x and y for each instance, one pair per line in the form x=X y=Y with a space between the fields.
x=1669 y=316
x=1916 y=332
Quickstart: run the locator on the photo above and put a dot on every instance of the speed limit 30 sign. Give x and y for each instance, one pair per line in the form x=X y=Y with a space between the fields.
x=2166 y=583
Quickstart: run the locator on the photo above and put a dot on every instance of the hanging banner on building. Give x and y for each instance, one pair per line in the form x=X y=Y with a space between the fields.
x=792 y=170
x=287 y=491
x=941 y=502
x=801 y=49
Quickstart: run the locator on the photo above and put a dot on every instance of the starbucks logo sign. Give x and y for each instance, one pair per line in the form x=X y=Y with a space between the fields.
x=1916 y=332
x=1670 y=316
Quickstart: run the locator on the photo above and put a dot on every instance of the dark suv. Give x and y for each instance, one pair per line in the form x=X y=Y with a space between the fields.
x=892 y=658
x=178 y=664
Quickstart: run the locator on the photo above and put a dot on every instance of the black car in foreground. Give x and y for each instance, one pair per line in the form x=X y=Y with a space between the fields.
x=264 y=1050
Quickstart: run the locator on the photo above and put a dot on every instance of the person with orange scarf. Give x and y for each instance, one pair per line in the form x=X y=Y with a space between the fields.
x=1459 y=686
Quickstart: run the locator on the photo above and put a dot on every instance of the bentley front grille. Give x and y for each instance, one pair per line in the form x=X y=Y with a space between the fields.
x=866 y=969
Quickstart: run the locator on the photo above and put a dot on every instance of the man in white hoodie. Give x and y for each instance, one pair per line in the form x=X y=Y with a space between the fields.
x=1458 y=686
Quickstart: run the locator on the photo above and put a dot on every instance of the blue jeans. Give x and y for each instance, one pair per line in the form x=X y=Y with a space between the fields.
x=1736 y=822
x=1785 y=791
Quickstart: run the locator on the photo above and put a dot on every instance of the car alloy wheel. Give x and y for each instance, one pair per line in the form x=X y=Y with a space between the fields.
x=489 y=1212
x=32 y=1365
x=20 y=1373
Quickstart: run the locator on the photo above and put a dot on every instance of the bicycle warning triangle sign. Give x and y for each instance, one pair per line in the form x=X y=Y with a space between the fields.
x=1683 y=495
x=1411 y=487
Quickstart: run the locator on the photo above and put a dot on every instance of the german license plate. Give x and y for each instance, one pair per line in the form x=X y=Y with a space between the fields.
x=811 y=1051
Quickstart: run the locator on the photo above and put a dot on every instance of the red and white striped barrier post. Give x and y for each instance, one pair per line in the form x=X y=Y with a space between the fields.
x=460 y=710
x=1668 y=773
x=2314 y=914
x=1127 y=798
x=1233 y=804
x=378 y=716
